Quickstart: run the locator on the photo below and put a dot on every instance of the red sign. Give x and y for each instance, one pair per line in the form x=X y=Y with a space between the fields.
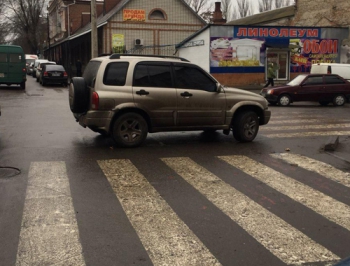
x=134 y=15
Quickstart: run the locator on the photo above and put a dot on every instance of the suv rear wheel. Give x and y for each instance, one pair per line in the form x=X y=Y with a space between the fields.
x=78 y=95
x=129 y=130
x=245 y=126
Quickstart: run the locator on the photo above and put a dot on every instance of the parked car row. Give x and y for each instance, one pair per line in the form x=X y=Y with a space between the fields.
x=48 y=72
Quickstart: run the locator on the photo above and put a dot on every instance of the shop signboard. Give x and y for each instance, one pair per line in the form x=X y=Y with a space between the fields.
x=134 y=15
x=247 y=48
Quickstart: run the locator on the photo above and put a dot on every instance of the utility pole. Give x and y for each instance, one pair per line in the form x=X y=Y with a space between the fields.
x=94 y=44
x=48 y=34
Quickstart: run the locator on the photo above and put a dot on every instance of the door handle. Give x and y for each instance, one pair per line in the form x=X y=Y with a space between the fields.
x=186 y=94
x=142 y=92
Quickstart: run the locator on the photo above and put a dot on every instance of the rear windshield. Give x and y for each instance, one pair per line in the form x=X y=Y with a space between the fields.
x=90 y=72
x=54 y=68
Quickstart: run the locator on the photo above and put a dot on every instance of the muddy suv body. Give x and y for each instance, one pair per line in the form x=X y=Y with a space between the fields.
x=129 y=96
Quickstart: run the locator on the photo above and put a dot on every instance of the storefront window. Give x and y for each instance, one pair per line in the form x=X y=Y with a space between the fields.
x=280 y=62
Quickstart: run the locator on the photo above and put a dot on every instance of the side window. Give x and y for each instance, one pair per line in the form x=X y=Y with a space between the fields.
x=15 y=58
x=151 y=75
x=333 y=80
x=193 y=78
x=313 y=80
x=3 y=58
x=90 y=72
x=115 y=74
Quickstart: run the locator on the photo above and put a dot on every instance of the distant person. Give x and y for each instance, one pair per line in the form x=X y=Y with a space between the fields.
x=270 y=75
x=78 y=65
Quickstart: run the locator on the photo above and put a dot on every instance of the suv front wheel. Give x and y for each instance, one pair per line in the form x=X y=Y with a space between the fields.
x=245 y=126
x=129 y=130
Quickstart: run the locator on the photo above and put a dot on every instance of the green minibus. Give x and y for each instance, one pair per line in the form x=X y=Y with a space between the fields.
x=12 y=65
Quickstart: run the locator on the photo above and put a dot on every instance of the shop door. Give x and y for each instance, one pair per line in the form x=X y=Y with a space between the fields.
x=280 y=60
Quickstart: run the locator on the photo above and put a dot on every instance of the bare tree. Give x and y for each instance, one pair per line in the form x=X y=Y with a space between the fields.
x=199 y=6
x=202 y=8
x=266 y=5
x=244 y=8
x=282 y=3
x=25 y=21
x=227 y=10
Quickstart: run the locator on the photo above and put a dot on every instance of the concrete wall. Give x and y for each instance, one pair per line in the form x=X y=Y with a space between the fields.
x=198 y=54
x=322 y=13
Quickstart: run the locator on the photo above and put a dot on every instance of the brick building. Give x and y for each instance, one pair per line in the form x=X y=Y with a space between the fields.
x=137 y=26
x=292 y=37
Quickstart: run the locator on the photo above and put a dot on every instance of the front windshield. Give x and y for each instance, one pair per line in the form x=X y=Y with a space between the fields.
x=297 y=80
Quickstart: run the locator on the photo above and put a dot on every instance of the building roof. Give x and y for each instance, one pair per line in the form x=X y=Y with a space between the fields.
x=192 y=36
x=103 y=20
x=265 y=17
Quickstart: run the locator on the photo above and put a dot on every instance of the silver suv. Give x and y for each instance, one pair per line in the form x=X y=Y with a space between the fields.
x=128 y=96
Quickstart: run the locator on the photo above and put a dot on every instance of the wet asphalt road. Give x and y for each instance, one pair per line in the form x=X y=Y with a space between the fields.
x=71 y=197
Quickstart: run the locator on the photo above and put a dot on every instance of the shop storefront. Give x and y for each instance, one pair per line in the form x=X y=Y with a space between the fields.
x=240 y=55
x=291 y=50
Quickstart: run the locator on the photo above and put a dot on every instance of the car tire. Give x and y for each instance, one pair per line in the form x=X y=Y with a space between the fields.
x=43 y=83
x=339 y=100
x=245 y=126
x=324 y=103
x=23 y=85
x=284 y=100
x=78 y=95
x=129 y=130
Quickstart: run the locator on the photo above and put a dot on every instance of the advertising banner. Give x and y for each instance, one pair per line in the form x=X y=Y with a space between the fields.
x=117 y=43
x=134 y=15
x=246 y=50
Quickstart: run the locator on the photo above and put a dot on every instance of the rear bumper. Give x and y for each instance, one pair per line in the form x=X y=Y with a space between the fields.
x=55 y=80
x=96 y=119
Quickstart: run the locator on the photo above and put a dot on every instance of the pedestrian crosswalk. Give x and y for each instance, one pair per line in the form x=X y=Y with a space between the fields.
x=50 y=233
x=297 y=125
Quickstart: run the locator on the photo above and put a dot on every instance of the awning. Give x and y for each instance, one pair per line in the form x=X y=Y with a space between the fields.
x=277 y=42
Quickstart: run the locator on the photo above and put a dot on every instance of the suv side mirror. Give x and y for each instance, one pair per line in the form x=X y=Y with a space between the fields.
x=218 y=87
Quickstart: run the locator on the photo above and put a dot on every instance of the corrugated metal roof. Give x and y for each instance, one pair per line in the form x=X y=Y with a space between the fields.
x=265 y=17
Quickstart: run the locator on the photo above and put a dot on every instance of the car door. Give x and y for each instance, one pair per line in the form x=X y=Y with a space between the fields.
x=3 y=67
x=334 y=85
x=154 y=92
x=198 y=101
x=312 y=88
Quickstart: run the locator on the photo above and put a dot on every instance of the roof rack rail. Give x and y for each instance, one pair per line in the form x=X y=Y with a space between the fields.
x=117 y=56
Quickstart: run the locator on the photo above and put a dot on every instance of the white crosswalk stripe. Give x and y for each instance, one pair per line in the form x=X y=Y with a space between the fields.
x=321 y=168
x=307 y=134
x=304 y=126
x=281 y=239
x=328 y=207
x=166 y=238
x=49 y=233
x=299 y=127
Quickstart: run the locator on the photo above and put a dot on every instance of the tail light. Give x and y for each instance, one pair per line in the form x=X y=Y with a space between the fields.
x=95 y=101
x=45 y=74
x=24 y=69
x=65 y=74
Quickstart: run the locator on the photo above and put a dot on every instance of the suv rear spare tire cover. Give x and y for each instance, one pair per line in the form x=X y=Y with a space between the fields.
x=78 y=95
